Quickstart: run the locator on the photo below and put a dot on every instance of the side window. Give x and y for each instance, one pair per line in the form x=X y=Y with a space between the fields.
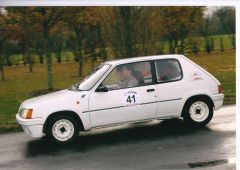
x=168 y=70
x=129 y=75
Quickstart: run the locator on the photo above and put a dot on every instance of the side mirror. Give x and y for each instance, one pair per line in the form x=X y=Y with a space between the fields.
x=102 y=89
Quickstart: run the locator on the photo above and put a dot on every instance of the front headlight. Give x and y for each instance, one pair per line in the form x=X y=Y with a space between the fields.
x=26 y=113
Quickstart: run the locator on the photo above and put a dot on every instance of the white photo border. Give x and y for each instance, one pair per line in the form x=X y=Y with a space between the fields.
x=235 y=3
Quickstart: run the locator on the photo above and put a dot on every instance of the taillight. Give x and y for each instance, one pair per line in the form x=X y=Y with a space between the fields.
x=219 y=88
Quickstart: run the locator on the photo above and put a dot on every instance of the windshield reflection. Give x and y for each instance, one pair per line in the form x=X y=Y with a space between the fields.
x=91 y=79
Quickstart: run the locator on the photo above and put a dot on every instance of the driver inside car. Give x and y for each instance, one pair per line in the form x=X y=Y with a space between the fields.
x=127 y=79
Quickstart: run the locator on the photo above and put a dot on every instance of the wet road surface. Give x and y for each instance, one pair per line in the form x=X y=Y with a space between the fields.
x=154 y=145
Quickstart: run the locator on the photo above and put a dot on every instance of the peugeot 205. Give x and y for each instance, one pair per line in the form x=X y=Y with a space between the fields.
x=125 y=91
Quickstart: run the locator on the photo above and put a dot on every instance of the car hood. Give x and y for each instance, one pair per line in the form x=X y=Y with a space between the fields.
x=47 y=98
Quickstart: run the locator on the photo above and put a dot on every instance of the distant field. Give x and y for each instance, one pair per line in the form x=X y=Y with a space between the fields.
x=227 y=44
x=20 y=83
x=68 y=56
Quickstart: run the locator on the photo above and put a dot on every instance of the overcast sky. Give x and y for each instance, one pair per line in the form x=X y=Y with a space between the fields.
x=210 y=10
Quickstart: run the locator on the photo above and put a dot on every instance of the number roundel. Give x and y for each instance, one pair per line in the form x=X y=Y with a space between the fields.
x=131 y=98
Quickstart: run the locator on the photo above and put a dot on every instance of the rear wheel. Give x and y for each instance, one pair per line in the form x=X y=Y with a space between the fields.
x=198 y=112
x=62 y=129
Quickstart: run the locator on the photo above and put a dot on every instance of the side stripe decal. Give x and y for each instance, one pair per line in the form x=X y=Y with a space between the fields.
x=127 y=106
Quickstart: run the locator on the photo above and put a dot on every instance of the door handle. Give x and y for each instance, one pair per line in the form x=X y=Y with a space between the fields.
x=150 y=90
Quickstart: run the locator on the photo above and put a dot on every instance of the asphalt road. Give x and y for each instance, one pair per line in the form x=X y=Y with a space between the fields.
x=149 y=145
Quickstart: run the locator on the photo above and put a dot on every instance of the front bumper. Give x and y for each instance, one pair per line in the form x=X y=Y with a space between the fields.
x=218 y=101
x=31 y=127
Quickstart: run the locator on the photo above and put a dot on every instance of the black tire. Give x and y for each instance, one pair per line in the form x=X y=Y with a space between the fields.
x=195 y=107
x=70 y=125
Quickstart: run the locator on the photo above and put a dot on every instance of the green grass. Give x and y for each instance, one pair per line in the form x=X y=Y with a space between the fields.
x=216 y=39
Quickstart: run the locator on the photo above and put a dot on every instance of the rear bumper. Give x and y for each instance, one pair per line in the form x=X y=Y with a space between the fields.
x=218 y=101
x=31 y=127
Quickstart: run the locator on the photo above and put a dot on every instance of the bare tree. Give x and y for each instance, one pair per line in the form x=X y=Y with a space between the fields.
x=47 y=19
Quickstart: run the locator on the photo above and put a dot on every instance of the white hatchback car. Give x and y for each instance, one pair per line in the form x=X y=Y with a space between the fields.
x=124 y=91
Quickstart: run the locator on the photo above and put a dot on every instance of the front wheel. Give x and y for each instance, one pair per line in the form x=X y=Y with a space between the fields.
x=198 y=112
x=62 y=129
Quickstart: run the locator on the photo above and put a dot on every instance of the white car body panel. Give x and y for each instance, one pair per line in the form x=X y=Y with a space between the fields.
x=117 y=110
x=97 y=109
x=64 y=100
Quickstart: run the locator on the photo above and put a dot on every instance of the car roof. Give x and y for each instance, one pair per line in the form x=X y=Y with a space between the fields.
x=143 y=58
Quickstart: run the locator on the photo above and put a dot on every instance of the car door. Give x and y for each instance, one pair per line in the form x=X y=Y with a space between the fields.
x=169 y=85
x=134 y=102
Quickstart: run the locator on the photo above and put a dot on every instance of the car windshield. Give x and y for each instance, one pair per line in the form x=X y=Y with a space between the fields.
x=90 y=80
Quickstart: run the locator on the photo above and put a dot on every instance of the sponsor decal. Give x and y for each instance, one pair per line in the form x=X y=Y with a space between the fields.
x=196 y=76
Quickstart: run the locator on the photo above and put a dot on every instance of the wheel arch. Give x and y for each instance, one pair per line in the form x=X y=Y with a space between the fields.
x=200 y=96
x=65 y=112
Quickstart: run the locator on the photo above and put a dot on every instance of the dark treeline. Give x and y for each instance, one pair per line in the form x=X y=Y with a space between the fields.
x=221 y=22
x=92 y=33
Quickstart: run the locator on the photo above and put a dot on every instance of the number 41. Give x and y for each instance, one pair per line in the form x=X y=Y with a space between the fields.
x=131 y=98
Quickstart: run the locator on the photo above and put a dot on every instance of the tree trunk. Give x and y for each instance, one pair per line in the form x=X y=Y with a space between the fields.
x=92 y=64
x=93 y=57
x=182 y=46
x=80 y=69
x=171 y=46
x=30 y=62
x=41 y=60
x=221 y=44
x=208 y=46
x=8 y=62
x=49 y=70
x=2 y=67
x=161 y=47
x=49 y=60
x=58 y=51
x=79 y=51
x=233 y=42
x=91 y=46
x=2 y=73
x=102 y=47
x=1 y=62
x=27 y=56
x=59 y=56
x=126 y=14
x=24 y=59
x=144 y=42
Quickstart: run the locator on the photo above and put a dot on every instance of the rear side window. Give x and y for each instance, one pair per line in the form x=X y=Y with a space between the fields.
x=168 y=70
